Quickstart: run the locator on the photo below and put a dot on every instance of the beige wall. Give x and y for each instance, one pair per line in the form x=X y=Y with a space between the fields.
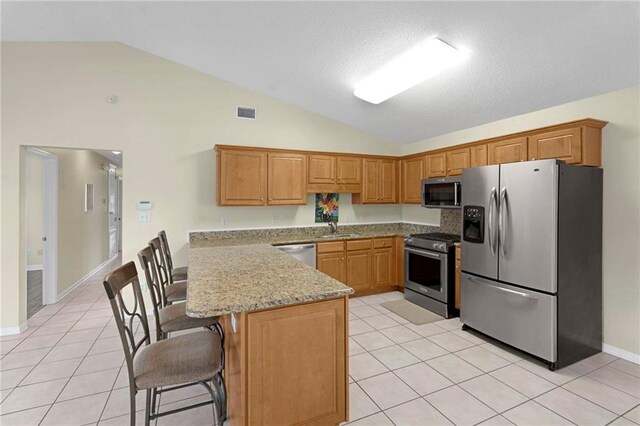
x=166 y=122
x=34 y=194
x=82 y=237
x=621 y=227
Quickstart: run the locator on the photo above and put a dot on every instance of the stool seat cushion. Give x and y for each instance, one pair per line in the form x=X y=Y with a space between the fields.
x=177 y=291
x=188 y=358
x=174 y=318
x=179 y=274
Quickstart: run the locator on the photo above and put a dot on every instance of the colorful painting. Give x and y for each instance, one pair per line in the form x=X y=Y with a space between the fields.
x=327 y=207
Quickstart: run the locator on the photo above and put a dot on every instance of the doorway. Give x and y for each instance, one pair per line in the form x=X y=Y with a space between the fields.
x=41 y=190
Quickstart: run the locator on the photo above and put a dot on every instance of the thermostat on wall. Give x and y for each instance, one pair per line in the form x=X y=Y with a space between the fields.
x=144 y=205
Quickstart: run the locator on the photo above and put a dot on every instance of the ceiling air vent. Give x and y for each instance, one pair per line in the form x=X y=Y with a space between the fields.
x=247 y=113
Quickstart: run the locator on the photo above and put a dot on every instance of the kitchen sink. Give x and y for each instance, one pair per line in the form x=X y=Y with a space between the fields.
x=337 y=236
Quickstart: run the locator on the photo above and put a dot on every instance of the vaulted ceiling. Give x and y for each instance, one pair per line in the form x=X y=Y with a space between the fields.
x=524 y=56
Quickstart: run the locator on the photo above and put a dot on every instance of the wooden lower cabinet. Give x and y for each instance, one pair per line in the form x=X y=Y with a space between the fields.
x=359 y=269
x=368 y=265
x=332 y=264
x=288 y=365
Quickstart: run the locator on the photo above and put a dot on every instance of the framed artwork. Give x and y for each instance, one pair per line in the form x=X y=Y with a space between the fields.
x=88 y=197
x=327 y=207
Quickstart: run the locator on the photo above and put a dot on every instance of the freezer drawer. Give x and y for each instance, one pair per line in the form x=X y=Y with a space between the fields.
x=521 y=318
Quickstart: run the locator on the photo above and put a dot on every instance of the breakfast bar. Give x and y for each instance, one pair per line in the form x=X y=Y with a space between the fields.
x=285 y=324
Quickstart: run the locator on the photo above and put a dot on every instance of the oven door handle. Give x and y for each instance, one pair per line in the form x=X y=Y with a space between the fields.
x=422 y=252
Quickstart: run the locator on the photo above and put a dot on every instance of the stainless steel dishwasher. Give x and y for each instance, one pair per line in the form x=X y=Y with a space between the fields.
x=303 y=252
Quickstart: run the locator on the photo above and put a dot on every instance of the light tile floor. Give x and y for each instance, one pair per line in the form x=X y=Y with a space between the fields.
x=67 y=369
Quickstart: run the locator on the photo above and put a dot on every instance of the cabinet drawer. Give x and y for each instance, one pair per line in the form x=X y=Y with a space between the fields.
x=522 y=318
x=329 y=247
x=358 y=245
x=383 y=242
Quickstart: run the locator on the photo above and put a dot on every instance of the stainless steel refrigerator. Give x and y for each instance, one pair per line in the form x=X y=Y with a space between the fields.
x=532 y=257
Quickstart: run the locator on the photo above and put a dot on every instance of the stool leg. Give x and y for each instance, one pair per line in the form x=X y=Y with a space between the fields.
x=132 y=407
x=221 y=391
x=147 y=409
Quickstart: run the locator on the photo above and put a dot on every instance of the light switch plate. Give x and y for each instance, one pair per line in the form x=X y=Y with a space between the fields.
x=144 y=216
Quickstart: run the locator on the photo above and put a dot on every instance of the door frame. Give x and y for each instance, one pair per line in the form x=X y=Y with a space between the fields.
x=50 y=226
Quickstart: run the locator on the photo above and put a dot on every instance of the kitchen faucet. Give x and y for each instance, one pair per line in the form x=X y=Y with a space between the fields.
x=333 y=226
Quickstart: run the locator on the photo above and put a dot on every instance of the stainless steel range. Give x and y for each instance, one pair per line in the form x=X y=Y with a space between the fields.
x=429 y=271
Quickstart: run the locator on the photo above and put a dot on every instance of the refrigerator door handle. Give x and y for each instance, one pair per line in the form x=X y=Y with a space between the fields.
x=501 y=226
x=492 y=238
x=505 y=290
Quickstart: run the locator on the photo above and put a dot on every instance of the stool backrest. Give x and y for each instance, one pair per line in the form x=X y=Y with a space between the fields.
x=127 y=314
x=165 y=247
x=156 y=290
x=161 y=261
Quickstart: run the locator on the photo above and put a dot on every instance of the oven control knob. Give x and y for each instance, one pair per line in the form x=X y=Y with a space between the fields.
x=408 y=240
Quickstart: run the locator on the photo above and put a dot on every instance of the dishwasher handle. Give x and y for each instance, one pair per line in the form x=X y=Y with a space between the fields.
x=296 y=248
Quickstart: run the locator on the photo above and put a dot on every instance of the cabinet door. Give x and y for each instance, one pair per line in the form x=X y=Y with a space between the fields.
x=242 y=178
x=359 y=269
x=349 y=170
x=388 y=181
x=383 y=267
x=287 y=179
x=562 y=144
x=478 y=156
x=332 y=264
x=507 y=151
x=322 y=169
x=371 y=179
x=412 y=174
x=436 y=165
x=457 y=160
x=295 y=359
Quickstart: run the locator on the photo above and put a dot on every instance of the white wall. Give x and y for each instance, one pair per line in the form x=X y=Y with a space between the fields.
x=621 y=227
x=167 y=120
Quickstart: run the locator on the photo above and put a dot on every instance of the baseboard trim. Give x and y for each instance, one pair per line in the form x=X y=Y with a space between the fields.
x=621 y=353
x=8 y=331
x=35 y=267
x=83 y=279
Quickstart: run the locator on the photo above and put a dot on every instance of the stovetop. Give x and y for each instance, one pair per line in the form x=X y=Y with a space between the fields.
x=438 y=236
x=437 y=241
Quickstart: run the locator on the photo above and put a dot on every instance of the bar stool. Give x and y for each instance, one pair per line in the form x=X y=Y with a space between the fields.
x=174 y=291
x=173 y=317
x=177 y=274
x=171 y=364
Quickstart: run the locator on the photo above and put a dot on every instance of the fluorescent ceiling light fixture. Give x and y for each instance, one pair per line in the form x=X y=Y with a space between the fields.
x=429 y=58
x=116 y=152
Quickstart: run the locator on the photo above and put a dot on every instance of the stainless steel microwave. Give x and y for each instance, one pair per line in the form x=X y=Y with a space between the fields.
x=442 y=193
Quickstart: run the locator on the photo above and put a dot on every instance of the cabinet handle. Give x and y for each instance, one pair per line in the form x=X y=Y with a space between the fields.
x=261 y=199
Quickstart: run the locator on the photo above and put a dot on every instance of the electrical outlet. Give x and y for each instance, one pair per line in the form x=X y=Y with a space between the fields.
x=224 y=221
x=144 y=216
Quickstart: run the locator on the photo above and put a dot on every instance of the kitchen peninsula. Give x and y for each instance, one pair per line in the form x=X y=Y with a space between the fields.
x=285 y=333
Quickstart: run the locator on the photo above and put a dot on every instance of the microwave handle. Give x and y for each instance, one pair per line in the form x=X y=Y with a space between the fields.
x=455 y=193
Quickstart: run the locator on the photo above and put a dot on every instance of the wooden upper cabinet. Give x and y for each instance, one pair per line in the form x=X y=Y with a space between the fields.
x=322 y=169
x=563 y=144
x=388 y=181
x=436 y=165
x=457 y=160
x=507 y=151
x=242 y=177
x=379 y=182
x=478 y=156
x=286 y=183
x=349 y=170
x=359 y=269
x=412 y=174
x=370 y=181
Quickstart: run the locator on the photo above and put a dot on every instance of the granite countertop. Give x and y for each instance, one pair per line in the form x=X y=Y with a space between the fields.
x=293 y=239
x=248 y=277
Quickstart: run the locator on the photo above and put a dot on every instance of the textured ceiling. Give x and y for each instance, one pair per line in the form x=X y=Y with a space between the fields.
x=524 y=56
